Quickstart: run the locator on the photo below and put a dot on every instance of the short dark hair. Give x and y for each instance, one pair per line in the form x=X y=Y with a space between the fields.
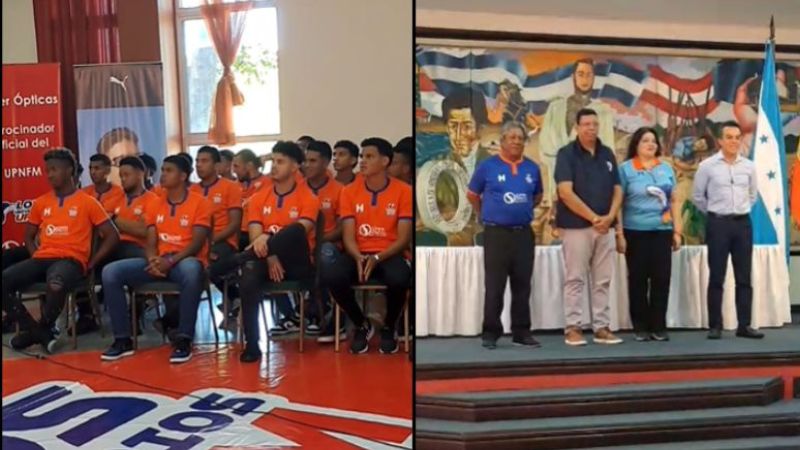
x=637 y=136
x=248 y=156
x=588 y=61
x=114 y=136
x=226 y=154
x=584 y=112
x=350 y=146
x=186 y=156
x=384 y=147
x=133 y=161
x=726 y=124
x=62 y=154
x=321 y=147
x=211 y=151
x=405 y=147
x=182 y=163
x=465 y=97
x=289 y=149
x=101 y=158
x=149 y=162
x=306 y=137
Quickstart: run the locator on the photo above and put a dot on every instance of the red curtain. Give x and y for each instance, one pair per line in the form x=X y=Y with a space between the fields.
x=75 y=32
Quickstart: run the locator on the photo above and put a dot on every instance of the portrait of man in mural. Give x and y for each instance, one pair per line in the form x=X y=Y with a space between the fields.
x=442 y=183
x=558 y=126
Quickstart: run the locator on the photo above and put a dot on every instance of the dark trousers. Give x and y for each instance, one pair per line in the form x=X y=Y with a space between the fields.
x=394 y=272
x=508 y=253
x=15 y=255
x=61 y=275
x=649 y=258
x=224 y=264
x=291 y=248
x=734 y=237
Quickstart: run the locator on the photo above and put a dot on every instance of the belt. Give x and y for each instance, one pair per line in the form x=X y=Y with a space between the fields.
x=728 y=216
x=508 y=227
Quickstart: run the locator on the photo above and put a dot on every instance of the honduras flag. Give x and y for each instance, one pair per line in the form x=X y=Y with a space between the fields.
x=770 y=216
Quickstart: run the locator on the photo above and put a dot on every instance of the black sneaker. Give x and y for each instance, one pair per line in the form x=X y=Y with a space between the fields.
x=51 y=339
x=182 y=351
x=748 y=332
x=328 y=335
x=361 y=338
x=525 y=340
x=489 y=342
x=642 y=336
x=119 y=349
x=660 y=336
x=250 y=355
x=313 y=328
x=714 y=333
x=286 y=326
x=388 y=341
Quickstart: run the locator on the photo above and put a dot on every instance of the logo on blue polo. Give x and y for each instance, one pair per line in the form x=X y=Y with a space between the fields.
x=511 y=198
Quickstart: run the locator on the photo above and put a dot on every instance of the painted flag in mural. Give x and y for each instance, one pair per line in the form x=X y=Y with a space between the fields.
x=120 y=113
x=769 y=216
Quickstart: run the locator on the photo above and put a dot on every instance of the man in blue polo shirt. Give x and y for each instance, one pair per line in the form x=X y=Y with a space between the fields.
x=505 y=189
x=590 y=196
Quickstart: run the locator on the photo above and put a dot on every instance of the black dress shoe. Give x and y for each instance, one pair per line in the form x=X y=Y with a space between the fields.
x=714 y=333
x=526 y=340
x=489 y=342
x=749 y=333
x=660 y=336
x=250 y=355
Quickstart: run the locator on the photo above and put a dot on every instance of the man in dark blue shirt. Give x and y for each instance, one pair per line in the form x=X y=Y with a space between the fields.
x=590 y=197
x=504 y=190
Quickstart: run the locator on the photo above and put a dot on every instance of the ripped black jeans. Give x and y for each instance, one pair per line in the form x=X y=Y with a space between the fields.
x=61 y=275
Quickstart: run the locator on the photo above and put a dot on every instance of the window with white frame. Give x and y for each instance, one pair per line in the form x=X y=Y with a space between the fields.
x=257 y=122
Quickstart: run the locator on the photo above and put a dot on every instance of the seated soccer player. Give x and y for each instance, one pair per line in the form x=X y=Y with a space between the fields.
x=225 y=166
x=150 y=170
x=176 y=250
x=402 y=166
x=345 y=160
x=131 y=216
x=328 y=190
x=63 y=220
x=281 y=223
x=109 y=195
x=226 y=216
x=376 y=214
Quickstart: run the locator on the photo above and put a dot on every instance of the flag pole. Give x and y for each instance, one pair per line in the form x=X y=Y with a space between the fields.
x=772 y=29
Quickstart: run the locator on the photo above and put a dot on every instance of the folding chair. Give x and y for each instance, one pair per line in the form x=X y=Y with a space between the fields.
x=159 y=289
x=39 y=290
x=361 y=291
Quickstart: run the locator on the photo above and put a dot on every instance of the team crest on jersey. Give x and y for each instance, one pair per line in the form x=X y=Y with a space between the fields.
x=529 y=178
x=73 y=212
x=217 y=198
x=185 y=220
x=391 y=209
x=326 y=203
x=294 y=213
x=116 y=210
x=137 y=210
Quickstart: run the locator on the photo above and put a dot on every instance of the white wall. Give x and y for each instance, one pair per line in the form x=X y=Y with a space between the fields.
x=19 y=35
x=345 y=68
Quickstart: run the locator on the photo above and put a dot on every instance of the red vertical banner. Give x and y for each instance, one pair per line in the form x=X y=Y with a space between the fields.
x=31 y=127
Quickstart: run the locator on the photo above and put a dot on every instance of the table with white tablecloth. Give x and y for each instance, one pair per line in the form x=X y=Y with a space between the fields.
x=450 y=291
